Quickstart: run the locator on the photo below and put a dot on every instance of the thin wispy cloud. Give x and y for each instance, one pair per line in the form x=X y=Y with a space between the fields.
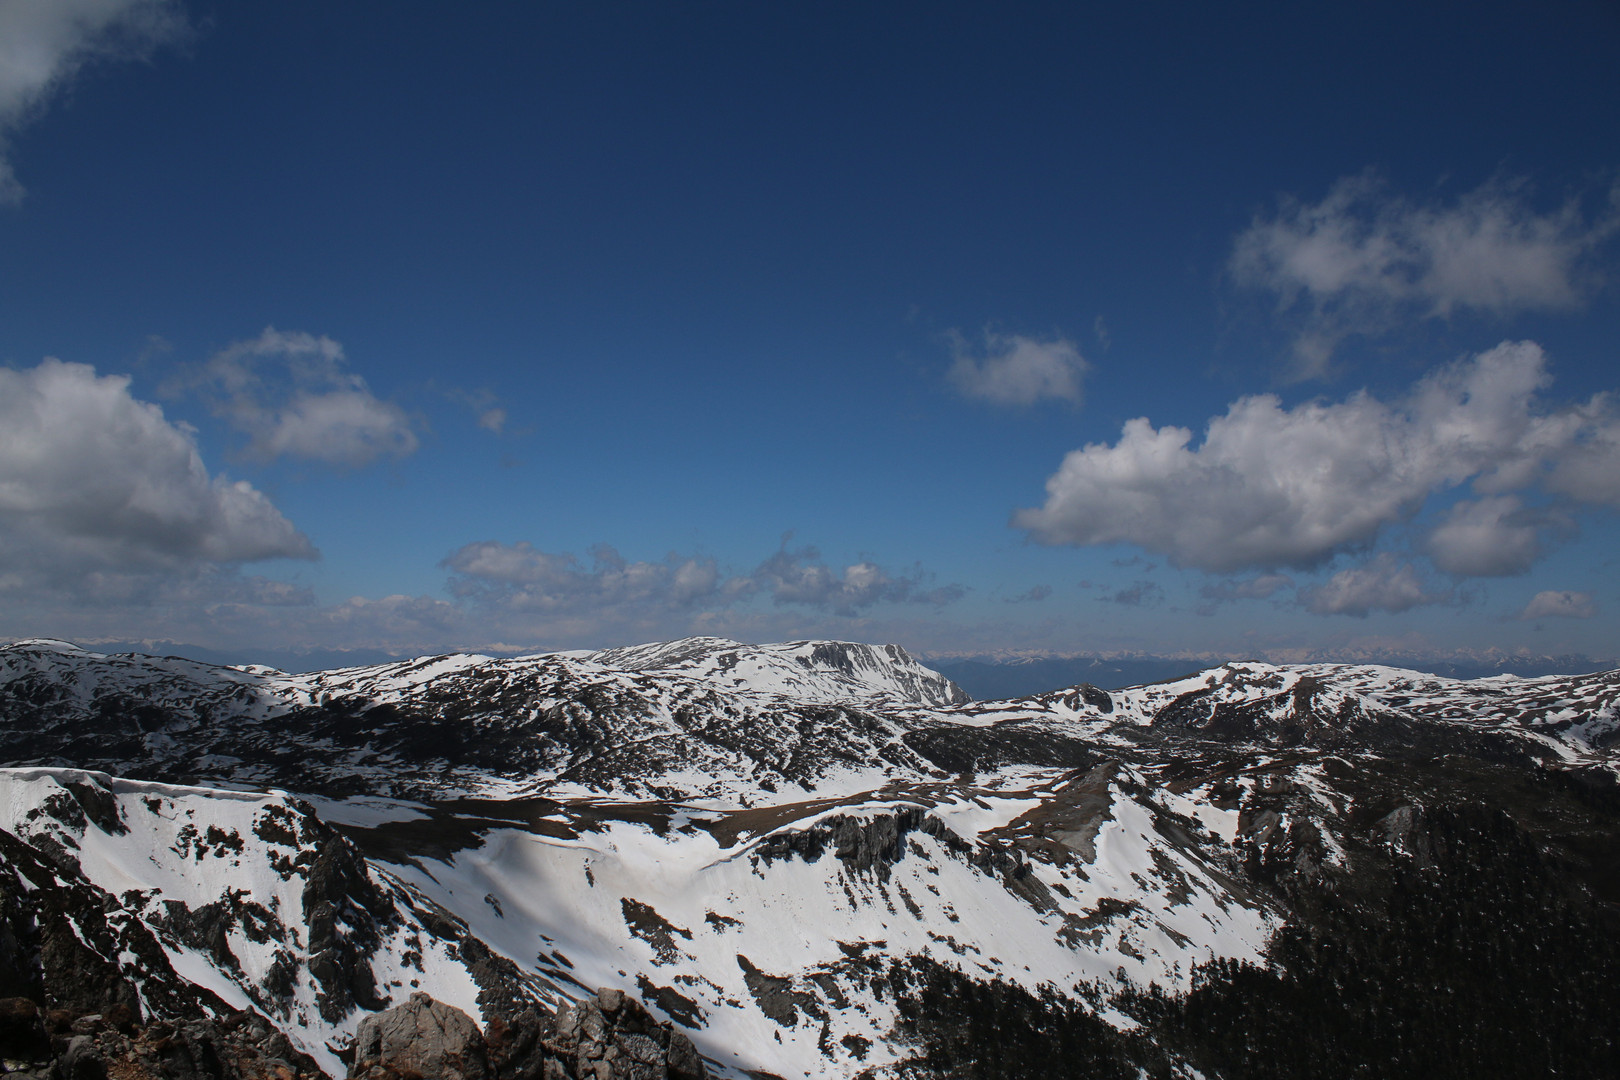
x=1138 y=594
x=1364 y=260
x=1034 y=595
x=489 y=413
x=1270 y=487
x=1560 y=604
x=1259 y=587
x=1011 y=369
x=45 y=44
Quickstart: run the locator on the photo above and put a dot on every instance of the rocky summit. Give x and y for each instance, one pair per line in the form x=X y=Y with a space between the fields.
x=817 y=859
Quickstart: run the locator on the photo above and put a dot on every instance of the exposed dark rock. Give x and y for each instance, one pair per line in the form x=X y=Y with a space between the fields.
x=95 y=1046
x=612 y=1037
x=645 y=923
x=775 y=994
x=65 y=930
x=863 y=845
x=956 y=749
x=99 y=804
x=672 y=1002
x=344 y=911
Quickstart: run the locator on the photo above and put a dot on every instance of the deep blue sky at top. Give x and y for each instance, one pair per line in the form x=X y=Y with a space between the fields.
x=714 y=263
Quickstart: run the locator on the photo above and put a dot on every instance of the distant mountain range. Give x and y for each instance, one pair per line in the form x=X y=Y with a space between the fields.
x=981 y=676
x=810 y=859
x=1017 y=676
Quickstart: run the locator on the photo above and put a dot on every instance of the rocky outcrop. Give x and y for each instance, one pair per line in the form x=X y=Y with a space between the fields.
x=345 y=910
x=863 y=845
x=61 y=937
x=615 y=1038
x=58 y=1044
x=609 y=1037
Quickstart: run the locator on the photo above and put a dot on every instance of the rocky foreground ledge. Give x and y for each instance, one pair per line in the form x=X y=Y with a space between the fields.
x=609 y=1038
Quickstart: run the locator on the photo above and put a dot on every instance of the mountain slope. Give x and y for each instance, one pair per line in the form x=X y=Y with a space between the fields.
x=801 y=853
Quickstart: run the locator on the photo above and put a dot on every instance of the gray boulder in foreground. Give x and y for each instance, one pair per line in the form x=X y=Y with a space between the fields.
x=424 y=1037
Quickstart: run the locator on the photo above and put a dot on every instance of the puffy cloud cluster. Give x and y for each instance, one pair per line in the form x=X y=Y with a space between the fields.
x=800 y=577
x=99 y=491
x=1018 y=370
x=1362 y=259
x=45 y=43
x=1384 y=584
x=521 y=578
x=293 y=396
x=1270 y=487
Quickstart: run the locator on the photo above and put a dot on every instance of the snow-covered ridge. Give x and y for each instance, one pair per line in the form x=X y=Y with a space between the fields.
x=765 y=945
x=703 y=717
x=807 y=671
x=1578 y=716
x=821 y=672
x=251 y=901
x=708 y=719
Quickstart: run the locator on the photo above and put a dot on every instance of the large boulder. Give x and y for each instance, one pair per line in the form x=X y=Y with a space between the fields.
x=422 y=1038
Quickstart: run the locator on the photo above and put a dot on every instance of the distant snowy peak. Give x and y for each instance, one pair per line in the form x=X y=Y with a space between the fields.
x=818 y=672
x=1573 y=717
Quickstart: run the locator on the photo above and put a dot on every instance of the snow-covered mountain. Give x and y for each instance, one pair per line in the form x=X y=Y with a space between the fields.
x=802 y=854
x=809 y=672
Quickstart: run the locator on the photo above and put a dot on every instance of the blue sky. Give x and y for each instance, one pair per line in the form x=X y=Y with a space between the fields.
x=1260 y=330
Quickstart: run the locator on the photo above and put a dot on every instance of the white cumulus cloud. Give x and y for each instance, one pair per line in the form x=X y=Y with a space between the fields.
x=1362 y=258
x=1554 y=603
x=293 y=396
x=1018 y=370
x=1271 y=487
x=45 y=43
x=96 y=482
